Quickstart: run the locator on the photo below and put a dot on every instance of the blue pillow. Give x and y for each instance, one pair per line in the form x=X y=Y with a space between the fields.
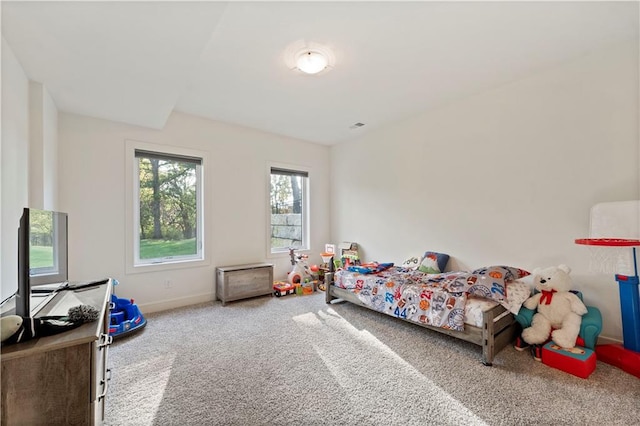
x=433 y=262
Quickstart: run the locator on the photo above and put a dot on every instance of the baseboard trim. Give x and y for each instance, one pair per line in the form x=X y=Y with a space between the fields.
x=176 y=303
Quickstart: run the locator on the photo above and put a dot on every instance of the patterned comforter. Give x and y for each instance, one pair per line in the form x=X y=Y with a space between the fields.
x=434 y=299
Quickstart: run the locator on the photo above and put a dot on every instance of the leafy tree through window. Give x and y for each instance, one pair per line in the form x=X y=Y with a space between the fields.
x=169 y=208
x=288 y=210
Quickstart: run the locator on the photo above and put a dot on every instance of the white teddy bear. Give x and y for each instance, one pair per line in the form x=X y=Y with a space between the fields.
x=558 y=308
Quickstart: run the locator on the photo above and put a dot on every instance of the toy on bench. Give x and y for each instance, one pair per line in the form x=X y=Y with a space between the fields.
x=558 y=309
x=562 y=330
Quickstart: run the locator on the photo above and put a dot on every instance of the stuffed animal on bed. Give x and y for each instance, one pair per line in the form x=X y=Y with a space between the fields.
x=558 y=308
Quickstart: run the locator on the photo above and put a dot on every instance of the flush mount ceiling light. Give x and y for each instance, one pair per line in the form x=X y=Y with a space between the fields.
x=308 y=57
x=311 y=62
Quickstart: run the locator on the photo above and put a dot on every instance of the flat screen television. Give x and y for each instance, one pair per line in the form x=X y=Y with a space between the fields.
x=42 y=254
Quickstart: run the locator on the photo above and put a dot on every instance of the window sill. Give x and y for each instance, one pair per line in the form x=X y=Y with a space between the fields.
x=166 y=266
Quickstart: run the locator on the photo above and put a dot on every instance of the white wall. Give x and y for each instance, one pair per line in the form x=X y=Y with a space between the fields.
x=29 y=158
x=43 y=148
x=92 y=190
x=15 y=164
x=504 y=177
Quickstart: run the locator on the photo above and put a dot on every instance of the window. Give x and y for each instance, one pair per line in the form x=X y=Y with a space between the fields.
x=289 y=218
x=168 y=210
x=47 y=246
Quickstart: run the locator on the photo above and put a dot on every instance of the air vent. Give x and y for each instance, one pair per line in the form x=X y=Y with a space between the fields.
x=356 y=125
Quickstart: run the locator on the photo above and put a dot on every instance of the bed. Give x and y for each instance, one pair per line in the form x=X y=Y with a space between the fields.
x=477 y=306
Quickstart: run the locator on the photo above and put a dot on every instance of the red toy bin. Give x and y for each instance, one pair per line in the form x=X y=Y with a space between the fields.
x=579 y=361
x=282 y=288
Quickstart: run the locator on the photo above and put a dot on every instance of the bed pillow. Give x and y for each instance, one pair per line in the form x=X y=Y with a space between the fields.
x=518 y=292
x=492 y=281
x=433 y=262
x=506 y=273
x=411 y=263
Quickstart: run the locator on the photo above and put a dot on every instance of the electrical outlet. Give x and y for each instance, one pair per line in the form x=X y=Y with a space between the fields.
x=167 y=283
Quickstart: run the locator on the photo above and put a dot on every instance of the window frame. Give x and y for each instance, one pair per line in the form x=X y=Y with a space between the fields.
x=133 y=262
x=58 y=272
x=305 y=172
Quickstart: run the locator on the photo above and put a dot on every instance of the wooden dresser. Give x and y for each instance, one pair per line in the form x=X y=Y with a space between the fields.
x=60 y=379
x=243 y=281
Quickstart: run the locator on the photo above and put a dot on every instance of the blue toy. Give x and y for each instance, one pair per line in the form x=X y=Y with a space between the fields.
x=125 y=316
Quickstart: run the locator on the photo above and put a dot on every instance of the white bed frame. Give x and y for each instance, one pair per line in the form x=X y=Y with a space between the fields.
x=497 y=330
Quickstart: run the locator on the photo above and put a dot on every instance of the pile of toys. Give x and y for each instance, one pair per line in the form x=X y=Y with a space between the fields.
x=283 y=288
x=302 y=280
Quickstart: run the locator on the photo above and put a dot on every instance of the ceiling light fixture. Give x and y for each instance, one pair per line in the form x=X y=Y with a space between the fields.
x=311 y=62
x=309 y=58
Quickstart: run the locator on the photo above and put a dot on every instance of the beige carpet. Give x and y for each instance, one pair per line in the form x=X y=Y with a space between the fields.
x=297 y=361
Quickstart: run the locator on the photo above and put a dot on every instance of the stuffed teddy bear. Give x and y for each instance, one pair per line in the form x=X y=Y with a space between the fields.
x=558 y=308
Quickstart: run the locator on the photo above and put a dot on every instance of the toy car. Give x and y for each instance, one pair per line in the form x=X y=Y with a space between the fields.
x=125 y=317
x=282 y=289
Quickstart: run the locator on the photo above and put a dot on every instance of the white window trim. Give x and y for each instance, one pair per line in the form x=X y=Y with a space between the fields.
x=132 y=208
x=60 y=270
x=307 y=208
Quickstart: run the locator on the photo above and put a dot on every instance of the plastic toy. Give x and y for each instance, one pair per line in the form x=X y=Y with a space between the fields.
x=301 y=270
x=283 y=288
x=126 y=317
x=578 y=361
x=627 y=355
x=307 y=287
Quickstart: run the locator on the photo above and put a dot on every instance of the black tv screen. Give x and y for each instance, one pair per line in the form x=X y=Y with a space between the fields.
x=42 y=253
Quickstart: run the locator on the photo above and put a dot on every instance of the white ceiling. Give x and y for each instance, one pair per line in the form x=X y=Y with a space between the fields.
x=136 y=62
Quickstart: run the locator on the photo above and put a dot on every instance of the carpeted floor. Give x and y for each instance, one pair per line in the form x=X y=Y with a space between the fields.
x=298 y=361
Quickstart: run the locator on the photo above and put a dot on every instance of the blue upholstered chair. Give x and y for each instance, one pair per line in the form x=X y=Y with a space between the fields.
x=590 y=327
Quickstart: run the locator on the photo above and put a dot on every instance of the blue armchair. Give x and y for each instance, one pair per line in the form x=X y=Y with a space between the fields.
x=590 y=327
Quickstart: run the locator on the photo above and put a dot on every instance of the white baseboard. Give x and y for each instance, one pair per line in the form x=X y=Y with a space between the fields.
x=177 y=303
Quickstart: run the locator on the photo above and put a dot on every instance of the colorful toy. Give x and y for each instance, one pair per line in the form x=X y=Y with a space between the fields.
x=125 y=316
x=282 y=289
x=614 y=238
x=349 y=254
x=301 y=270
x=370 y=268
x=578 y=361
x=307 y=287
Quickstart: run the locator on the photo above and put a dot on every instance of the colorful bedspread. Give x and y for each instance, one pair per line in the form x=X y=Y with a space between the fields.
x=433 y=299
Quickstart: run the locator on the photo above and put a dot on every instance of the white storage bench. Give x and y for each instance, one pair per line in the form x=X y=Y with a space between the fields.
x=243 y=281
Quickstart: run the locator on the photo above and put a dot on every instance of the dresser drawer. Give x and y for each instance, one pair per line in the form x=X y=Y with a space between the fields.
x=243 y=281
